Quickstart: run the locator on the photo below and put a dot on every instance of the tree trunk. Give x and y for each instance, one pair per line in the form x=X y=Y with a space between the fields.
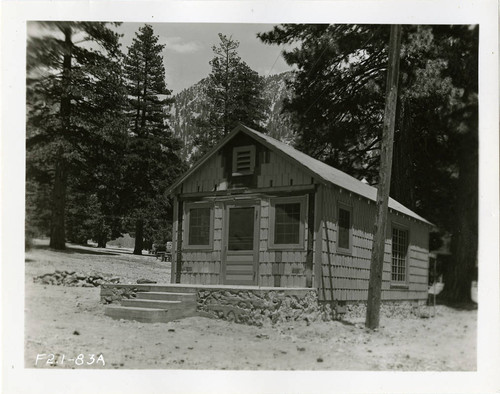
x=57 y=229
x=402 y=181
x=462 y=270
x=139 y=236
x=101 y=242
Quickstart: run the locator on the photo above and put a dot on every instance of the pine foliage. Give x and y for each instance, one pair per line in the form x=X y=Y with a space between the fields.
x=234 y=94
x=338 y=105
x=73 y=93
x=152 y=159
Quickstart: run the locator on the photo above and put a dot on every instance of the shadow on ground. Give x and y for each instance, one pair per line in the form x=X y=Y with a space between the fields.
x=459 y=306
x=76 y=249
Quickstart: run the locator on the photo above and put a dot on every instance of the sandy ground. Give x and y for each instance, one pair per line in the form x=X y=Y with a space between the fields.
x=68 y=321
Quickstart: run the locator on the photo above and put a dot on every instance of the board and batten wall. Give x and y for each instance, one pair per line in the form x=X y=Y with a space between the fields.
x=345 y=276
x=274 y=173
x=277 y=267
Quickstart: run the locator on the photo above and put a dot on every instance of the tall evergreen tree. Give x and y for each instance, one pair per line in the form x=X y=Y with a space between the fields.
x=152 y=161
x=73 y=90
x=338 y=107
x=234 y=93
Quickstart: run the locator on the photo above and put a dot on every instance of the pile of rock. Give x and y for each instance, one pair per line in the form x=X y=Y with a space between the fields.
x=72 y=278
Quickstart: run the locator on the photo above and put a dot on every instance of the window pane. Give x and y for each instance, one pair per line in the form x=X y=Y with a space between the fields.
x=199 y=226
x=241 y=228
x=399 y=252
x=287 y=224
x=344 y=227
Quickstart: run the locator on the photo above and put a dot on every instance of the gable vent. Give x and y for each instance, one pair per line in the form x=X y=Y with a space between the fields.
x=243 y=160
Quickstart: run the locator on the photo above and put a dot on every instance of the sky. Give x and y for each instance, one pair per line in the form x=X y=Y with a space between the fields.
x=188 y=49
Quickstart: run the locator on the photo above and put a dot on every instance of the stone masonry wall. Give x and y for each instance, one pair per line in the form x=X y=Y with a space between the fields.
x=273 y=306
x=405 y=309
x=270 y=306
x=114 y=294
x=260 y=306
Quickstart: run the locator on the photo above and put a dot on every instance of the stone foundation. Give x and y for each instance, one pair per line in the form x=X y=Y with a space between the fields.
x=356 y=310
x=271 y=305
x=114 y=294
x=260 y=306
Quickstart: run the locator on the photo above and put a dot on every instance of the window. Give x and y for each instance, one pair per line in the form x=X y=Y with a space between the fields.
x=243 y=160
x=199 y=226
x=344 y=229
x=287 y=222
x=399 y=254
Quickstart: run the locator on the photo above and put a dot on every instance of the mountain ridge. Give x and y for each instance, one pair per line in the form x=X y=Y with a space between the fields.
x=188 y=106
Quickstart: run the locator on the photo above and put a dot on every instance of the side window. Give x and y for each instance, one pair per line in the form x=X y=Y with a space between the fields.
x=399 y=255
x=243 y=160
x=199 y=226
x=287 y=223
x=344 y=239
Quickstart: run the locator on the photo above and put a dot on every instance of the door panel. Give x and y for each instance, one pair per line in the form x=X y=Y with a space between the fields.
x=241 y=244
x=241 y=228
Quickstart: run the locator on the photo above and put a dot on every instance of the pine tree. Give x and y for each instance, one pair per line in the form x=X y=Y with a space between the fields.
x=337 y=107
x=73 y=90
x=234 y=93
x=152 y=159
x=337 y=104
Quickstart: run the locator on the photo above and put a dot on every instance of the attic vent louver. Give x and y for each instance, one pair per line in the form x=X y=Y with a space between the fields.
x=243 y=160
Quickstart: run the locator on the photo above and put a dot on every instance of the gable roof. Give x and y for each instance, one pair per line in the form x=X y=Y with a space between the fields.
x=326 y=173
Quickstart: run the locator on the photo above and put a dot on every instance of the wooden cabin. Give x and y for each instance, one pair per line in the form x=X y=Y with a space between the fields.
x=256 y=212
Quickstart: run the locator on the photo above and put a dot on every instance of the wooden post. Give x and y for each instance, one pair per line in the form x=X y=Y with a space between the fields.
x=178 y=264
x=310 y=239
x=434 y=295
x=377 y=261
x=175 y=218
x=318 y=246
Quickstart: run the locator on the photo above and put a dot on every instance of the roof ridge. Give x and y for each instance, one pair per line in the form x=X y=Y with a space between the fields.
x=333 y=175
x=328 y=174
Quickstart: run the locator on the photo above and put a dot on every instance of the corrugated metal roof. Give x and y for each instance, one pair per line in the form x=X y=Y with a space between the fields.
x=327 y=173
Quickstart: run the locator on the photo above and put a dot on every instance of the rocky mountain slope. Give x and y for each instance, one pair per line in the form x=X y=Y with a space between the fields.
x=189 y=106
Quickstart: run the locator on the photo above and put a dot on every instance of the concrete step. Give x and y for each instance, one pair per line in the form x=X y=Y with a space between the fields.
x=146 y=315
x=159 y=304
x=167 y=296
x=173 y=288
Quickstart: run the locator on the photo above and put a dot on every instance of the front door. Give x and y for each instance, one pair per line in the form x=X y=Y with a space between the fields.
x=241 y=244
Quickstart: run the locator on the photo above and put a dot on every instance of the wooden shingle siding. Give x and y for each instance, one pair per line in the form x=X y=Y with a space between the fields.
x=287 y=265
x=345 y=276
x=204 y=266
x=338 y=274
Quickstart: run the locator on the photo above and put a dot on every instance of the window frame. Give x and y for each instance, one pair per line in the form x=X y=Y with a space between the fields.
x=401 y=227
x=348 y=208
x=243 y=148
x=186 y=221
x=302 y=200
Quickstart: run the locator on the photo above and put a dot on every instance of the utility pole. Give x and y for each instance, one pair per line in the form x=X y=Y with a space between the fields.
x=377 y=261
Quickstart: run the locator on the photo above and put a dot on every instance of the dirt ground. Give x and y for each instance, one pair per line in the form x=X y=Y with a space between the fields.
x=69 y=321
